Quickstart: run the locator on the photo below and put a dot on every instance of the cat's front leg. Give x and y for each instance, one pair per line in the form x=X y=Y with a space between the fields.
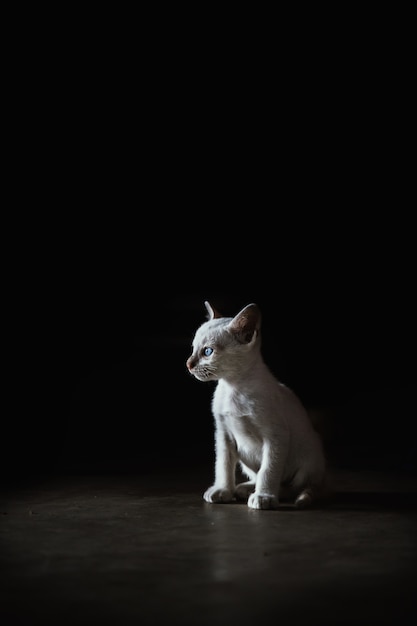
x=218 y=495
x=263 y=501
x=268 y=479
x=224 y=484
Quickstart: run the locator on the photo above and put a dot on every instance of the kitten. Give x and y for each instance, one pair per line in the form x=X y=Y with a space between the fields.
x=260 y=424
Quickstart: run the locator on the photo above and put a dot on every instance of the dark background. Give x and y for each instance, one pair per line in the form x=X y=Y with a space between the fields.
x=167 y=180
x=104 y=385
x=150 y=165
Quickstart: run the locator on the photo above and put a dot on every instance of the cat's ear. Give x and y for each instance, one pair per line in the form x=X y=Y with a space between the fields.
x=212 y=312
x=246 y=324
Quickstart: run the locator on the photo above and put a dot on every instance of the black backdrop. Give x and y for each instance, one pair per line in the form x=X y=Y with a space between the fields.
x=109 y=313
x=146 y=183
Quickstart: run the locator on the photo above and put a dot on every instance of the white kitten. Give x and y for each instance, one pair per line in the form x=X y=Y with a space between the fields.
x=259 y=422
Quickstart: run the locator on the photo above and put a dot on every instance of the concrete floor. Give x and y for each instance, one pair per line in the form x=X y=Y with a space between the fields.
x=130 y=549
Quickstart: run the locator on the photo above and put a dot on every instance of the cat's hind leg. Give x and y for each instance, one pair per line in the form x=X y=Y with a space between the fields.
x=312 y=494
x=308 y=487
x=243 y=490
x=304 y=499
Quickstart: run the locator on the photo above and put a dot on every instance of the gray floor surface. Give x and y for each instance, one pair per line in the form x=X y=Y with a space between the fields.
x=135 y=549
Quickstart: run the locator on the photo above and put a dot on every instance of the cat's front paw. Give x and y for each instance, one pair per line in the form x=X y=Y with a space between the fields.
x=262 y=501
x=217 y=494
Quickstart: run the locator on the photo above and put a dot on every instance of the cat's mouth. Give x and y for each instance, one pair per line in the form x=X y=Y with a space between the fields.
x=202 y=375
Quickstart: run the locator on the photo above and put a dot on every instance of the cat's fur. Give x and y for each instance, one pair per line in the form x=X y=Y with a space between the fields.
x=259 y=422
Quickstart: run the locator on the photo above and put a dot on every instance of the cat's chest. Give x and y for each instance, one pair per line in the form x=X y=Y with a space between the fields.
x=236 y=410
x=230 y=402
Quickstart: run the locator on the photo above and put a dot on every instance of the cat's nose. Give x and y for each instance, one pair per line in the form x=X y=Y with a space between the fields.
x=190 y=363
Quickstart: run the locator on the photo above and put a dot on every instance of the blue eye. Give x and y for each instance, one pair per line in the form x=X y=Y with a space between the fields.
x=208 y=351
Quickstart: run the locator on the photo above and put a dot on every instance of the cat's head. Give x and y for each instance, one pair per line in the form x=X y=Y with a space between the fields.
x=224 y=346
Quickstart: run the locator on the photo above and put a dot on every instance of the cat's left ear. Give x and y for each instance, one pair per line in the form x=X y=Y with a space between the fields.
x=212 y=312
x=246 y=324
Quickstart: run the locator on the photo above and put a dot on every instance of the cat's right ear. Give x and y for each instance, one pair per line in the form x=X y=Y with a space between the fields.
x=212 y=312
